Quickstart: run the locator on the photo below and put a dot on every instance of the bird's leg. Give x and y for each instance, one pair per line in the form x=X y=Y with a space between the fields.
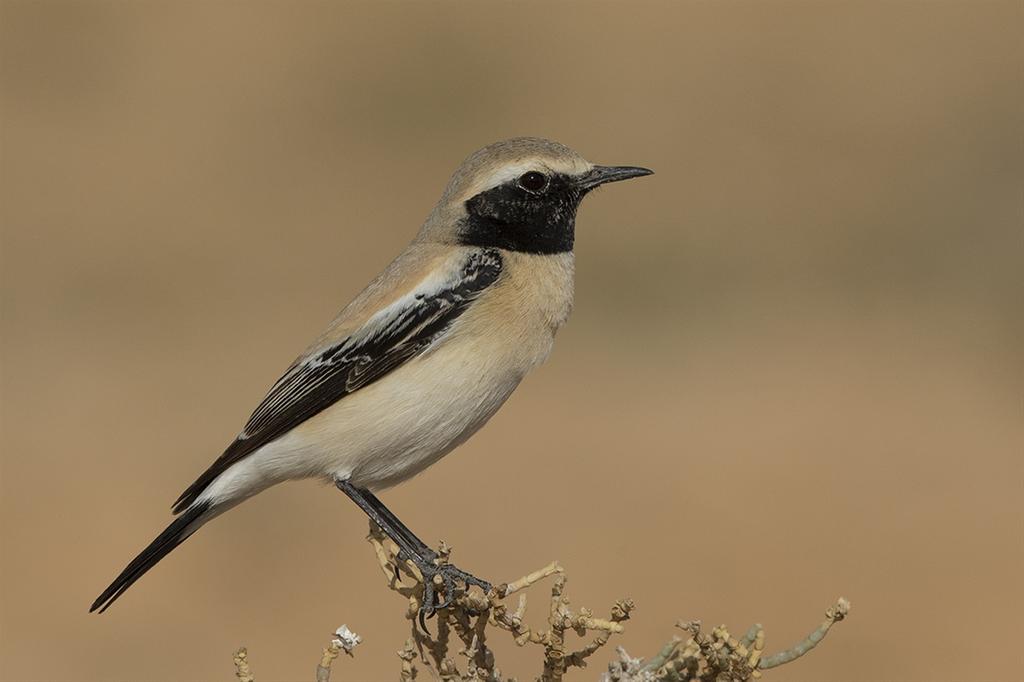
x=412 y=548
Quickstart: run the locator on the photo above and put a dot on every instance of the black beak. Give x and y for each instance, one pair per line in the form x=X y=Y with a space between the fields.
x=599 y=175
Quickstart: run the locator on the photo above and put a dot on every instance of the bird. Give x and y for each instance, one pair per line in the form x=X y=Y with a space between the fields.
x=420 y=359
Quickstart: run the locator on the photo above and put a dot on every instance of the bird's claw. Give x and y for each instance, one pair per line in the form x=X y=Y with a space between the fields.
x=399 y=558
x=448 y=574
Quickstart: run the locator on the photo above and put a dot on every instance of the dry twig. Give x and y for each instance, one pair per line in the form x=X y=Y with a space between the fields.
x=716 y=657
x=242 y=671
x=459 y=650
x=471 y=613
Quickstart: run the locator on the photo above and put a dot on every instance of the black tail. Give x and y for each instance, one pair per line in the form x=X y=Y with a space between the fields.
x=173 y=536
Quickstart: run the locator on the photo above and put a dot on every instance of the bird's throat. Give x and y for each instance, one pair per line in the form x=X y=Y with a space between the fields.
x=502 y=218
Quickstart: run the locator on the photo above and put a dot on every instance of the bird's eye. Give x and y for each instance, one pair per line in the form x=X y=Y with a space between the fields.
x=533 y=181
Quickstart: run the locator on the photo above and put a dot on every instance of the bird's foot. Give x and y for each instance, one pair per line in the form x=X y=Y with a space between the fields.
x=441 y=577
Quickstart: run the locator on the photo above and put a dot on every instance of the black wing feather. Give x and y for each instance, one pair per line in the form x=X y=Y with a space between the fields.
x=311 y=386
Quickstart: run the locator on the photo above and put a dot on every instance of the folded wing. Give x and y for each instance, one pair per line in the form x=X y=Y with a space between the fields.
x=393 y=336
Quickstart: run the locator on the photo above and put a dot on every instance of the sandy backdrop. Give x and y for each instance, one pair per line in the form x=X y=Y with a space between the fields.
x=793 y=372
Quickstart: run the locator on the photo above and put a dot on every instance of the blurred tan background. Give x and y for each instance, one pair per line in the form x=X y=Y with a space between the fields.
x=793 y=372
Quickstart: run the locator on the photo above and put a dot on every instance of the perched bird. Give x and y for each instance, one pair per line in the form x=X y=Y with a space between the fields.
x=421 y=359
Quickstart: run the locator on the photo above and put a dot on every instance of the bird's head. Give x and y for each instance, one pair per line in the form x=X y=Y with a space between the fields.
x=521 y=195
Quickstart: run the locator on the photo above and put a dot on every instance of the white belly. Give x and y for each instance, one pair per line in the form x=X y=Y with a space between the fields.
x=410 y=419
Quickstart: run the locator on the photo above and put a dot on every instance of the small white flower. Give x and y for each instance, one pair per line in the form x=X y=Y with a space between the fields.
x=346 y=639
